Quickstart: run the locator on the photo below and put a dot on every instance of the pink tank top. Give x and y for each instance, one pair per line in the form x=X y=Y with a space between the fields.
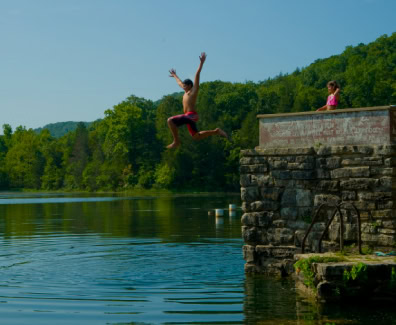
x=332 y=100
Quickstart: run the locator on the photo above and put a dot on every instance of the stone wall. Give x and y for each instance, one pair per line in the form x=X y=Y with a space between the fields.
x=282 y=187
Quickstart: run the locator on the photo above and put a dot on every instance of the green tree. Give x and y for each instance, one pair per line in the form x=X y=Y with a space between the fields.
x=78 y=157
x=24 y=162
x=53 y=174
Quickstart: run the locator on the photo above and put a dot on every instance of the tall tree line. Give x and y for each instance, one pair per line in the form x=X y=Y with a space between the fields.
x=126 y=150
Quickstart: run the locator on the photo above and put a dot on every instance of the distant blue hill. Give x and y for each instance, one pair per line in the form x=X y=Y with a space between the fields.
x=59 y=129
x=175 y=95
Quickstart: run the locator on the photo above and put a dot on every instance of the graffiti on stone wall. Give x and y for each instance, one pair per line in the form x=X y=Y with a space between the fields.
x=356 y=128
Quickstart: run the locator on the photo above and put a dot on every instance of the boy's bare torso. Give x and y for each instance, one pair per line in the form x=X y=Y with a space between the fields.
x=189 y=100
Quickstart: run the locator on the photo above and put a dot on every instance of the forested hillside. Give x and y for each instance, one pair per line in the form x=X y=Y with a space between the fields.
x=127 y=148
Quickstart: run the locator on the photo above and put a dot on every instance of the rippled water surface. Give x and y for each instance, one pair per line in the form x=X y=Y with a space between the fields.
x=84 y=259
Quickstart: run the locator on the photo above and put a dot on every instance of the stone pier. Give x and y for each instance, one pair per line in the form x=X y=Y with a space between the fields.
x=306 y=159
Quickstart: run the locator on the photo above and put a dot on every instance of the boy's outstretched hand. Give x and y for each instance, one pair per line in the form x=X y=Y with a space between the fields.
x=202 y=58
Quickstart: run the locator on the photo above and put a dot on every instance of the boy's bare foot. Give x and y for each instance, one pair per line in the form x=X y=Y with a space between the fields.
x=173 y=145
x=222 y=133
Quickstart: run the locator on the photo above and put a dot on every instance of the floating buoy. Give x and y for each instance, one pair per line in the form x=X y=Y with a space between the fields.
x=219 y=212
x=232 y=207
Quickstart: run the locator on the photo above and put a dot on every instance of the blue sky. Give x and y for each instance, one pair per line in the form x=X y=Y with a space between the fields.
x=70 y=60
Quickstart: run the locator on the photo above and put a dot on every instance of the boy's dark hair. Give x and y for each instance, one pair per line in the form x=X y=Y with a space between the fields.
x=333 y=84
x=188 y=82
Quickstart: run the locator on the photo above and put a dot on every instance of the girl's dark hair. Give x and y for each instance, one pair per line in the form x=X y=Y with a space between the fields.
x=188 y=82
x=333 y=84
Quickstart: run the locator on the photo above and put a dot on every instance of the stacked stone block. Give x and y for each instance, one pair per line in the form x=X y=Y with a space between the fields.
x=281 y=189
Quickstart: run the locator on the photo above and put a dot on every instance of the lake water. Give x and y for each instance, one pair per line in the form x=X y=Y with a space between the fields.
x=111 y=259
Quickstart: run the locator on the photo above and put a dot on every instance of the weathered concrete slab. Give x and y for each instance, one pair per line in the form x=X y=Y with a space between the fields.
x=360 y=126
x=351 y=278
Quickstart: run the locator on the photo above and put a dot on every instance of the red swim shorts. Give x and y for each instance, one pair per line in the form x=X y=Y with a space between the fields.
x=190 y=118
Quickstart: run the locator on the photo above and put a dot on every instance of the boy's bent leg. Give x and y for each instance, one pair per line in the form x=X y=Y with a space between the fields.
x=204 y=134
x=175 y=134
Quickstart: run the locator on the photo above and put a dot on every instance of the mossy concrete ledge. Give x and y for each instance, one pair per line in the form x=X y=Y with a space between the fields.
x=335 y=277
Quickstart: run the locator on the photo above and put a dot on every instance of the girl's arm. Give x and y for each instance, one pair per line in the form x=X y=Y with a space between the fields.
x=337 y=93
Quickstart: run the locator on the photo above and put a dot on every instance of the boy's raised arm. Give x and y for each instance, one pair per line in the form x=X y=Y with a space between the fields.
x=174 y=75
x=202 y=59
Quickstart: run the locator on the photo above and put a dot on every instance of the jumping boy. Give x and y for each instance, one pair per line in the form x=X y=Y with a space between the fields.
x=190 y=116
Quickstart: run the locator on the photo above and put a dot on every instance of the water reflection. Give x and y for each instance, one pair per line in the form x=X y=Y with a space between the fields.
x=219 y=221
x=129 y=260
x=276 y=301
x=167 y=217
x=268 y=299
x=136 y=260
